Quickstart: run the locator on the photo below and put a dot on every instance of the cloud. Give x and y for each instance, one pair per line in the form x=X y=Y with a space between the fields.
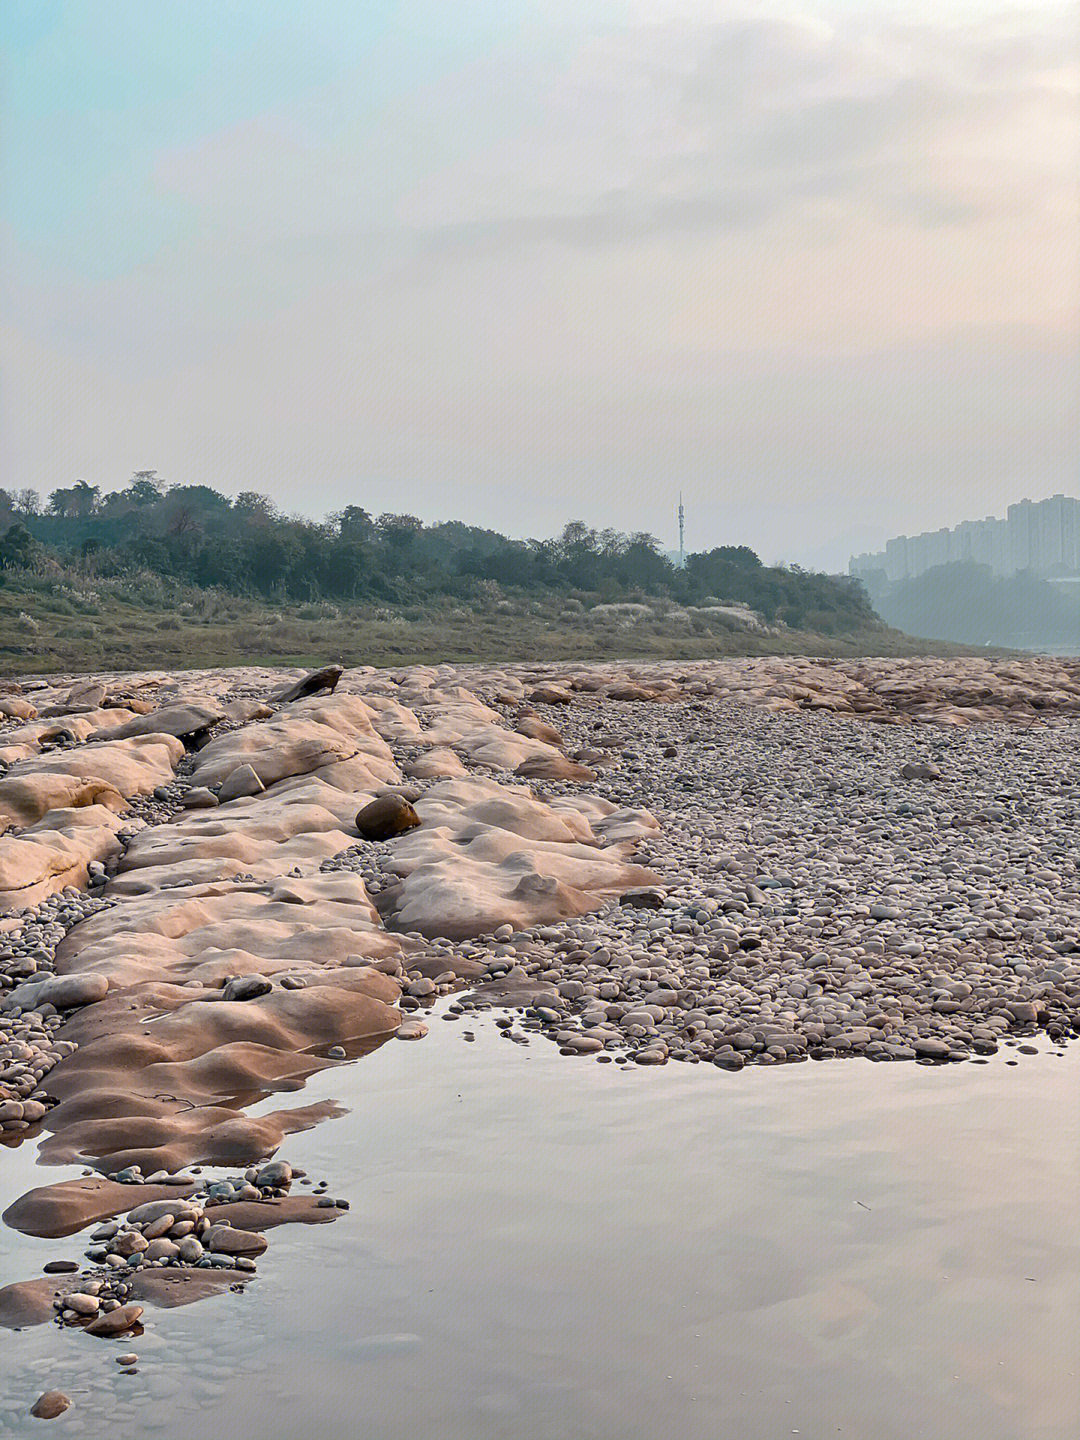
x=710 y=123
x=786 y=263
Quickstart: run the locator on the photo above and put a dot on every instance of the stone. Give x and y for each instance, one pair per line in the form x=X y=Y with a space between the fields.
x=411 y=1030
x=386 y=817
x=930 y=1047
x=50 y=1404
x=82 y=1304
x=274 y=1175
x=643 y=898
x=246 y=987
x=116 y=1322
x=161 y=1226
x=227 y=1240
x=69 y=992
x=240 y=784
x=127 y=1243
x=317 y=682
x=920 y=770
x=199 y=798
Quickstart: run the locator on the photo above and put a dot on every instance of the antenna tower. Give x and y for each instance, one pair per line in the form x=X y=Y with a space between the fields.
x=682 y=534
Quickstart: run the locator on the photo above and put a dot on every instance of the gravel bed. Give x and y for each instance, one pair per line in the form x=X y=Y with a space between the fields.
x=814 y=902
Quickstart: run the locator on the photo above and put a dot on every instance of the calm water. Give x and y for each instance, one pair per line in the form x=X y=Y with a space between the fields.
x=548 y=1249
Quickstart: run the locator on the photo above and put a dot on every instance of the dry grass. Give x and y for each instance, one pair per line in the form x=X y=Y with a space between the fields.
x=48 y=626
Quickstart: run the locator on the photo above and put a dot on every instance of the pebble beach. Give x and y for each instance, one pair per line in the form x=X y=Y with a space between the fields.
x=219 y=885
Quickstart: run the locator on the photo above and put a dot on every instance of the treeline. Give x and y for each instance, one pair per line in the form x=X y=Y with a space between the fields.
x=194 y=535
x=967 y=603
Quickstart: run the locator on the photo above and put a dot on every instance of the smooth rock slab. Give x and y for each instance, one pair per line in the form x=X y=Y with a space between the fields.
x=62 y=1209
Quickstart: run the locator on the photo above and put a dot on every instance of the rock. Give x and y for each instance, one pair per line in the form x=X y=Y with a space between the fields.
x=154 y=1229
x=1023 y=1012
x=643 y=898
x=930 y=1047
x=555 y=766
x=116 y=1322
x=274 y=1175
x=227 y=1240
x=69 y=992
x=411 y=1030
x=162 y=1249
x=240 y=784
x=190 y=724
x=49 y=1405
x=920 y=770
x=82 y=1304
x=318 y=682
x=199 y=798
x=127 y=1243
x=153 y=1210
x=246 y=987
x=86 y=695
x=386 y=817
x=127 y=1359
x=537 y=729
x=550 y=695
x=60 y=1267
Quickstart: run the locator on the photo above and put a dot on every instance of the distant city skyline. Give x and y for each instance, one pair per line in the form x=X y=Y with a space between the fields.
x=1042 y=536
x=816 y=265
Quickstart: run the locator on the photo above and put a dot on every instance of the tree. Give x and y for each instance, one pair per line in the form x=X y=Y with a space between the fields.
x=27 y=502
x=75 y=504
x=145 y=488
x=399 y=530
x=18 y=549
x=255 y=506
x=353 y=523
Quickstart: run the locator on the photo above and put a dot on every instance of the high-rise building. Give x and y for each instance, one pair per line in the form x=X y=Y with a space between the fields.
x=1042 y=536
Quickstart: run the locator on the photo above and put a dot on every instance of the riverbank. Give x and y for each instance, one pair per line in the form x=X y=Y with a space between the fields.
x=740 y=864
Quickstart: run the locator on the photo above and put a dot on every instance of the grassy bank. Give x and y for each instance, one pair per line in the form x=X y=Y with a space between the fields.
x=50 y=624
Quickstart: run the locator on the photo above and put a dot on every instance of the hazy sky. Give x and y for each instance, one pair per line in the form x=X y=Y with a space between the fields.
x=818 y=266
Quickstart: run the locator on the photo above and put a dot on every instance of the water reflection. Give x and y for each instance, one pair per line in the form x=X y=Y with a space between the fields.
x=543 y=1247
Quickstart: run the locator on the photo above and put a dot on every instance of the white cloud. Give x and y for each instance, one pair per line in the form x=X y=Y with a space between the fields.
x=778 y=261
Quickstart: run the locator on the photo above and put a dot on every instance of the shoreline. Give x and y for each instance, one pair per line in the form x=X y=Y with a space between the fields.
x=544 y=796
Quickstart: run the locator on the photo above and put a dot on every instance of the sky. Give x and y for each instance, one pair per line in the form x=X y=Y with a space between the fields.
x=816 y=266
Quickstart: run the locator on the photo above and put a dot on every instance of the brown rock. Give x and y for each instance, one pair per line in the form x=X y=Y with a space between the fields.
x=69 y=1205
x=315 y=683
x=27 y=1302
x=266 y=1214
x=228 y=1240
x=553 y=767
x=116 y=1322
x=242 y=783
x=386 y=817
x=550 y=695
x=50 y=1405
x=537 y=729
